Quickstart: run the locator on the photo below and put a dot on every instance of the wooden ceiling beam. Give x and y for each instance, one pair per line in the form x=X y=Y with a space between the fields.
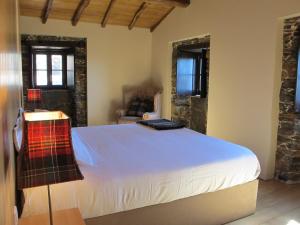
x=161 y=19
x=79 y=10
x=107 y=13
x=176 y=3
x=137 y=14
x=46 y=11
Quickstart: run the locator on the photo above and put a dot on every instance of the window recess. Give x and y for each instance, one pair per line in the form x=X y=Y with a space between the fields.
x=52 y=68
x=191 y=72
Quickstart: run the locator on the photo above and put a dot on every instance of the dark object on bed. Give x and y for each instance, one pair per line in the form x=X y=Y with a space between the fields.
x=161 y=124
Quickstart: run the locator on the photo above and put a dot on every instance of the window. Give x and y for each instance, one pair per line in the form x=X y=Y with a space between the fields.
x=297 y=97
x=70 y=70
x=186 y=73
x=191 y=72
x=57 y=70
x=52 y=68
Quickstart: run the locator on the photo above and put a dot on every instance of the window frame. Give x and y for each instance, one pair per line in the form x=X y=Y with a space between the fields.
x=297 y=89
x=200 y=77
x=189 y=56
x=49 y=52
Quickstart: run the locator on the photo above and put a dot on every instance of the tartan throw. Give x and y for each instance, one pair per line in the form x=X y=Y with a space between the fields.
x=34 y=95
x=133 y=107
x=46 y=156
x=138 y=106
x=146 y=105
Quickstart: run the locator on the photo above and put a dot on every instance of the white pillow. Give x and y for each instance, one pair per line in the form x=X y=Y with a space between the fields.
x=18 y=130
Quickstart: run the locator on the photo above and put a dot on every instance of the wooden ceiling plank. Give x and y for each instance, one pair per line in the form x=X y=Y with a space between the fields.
x=176 y=3
x=121 y=13
x=161 y=19
x=79 y=10
x=137 y=15
x=107 y=13
x=46 y=11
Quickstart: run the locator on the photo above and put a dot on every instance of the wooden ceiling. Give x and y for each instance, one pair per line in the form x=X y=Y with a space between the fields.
x=131 y=13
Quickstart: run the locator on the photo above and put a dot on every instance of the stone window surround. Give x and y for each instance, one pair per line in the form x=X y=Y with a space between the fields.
x=79 y=92
x=287 y=166
x=184 y=108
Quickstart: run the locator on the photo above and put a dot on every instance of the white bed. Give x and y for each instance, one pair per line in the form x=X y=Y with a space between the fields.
x=132 y=166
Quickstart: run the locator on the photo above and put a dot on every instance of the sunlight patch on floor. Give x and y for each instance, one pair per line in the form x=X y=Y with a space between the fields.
x=293 y=222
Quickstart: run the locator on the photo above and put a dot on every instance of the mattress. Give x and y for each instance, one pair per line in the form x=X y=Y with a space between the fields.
x=131 y=166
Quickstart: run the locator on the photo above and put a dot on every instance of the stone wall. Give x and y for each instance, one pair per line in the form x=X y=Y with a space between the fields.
x=189 y=110
x=198 y=110
x=288 y=140
x=71 y=101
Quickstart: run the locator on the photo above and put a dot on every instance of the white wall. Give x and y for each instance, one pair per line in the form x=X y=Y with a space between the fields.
x=115 y=57
x=244 y=67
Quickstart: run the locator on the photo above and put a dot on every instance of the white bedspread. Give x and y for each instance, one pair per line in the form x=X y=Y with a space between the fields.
x=131 y=166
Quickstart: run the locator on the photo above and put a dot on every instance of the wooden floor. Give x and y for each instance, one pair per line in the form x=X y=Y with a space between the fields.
x=277 y=204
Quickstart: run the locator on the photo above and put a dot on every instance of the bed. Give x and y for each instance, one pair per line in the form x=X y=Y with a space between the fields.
x=137 y=175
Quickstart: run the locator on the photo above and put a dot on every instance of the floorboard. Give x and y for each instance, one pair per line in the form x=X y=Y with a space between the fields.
x=277 y=204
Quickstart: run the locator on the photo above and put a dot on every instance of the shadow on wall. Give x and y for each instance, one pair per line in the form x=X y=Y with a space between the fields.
x=145 y=88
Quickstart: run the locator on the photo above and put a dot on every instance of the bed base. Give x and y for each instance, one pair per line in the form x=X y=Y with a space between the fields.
x=213 y=208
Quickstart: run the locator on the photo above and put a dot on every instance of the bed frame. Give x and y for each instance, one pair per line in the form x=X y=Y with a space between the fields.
x=212 y=208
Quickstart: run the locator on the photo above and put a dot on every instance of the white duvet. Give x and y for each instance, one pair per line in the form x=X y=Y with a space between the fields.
x=132 y=166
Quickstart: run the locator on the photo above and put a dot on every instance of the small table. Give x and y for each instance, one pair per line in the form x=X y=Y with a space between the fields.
x=61 y=217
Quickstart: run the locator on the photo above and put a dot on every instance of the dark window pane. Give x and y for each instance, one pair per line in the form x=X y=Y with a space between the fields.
x=41 y=62
x=185 y=76
x=41 y=77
